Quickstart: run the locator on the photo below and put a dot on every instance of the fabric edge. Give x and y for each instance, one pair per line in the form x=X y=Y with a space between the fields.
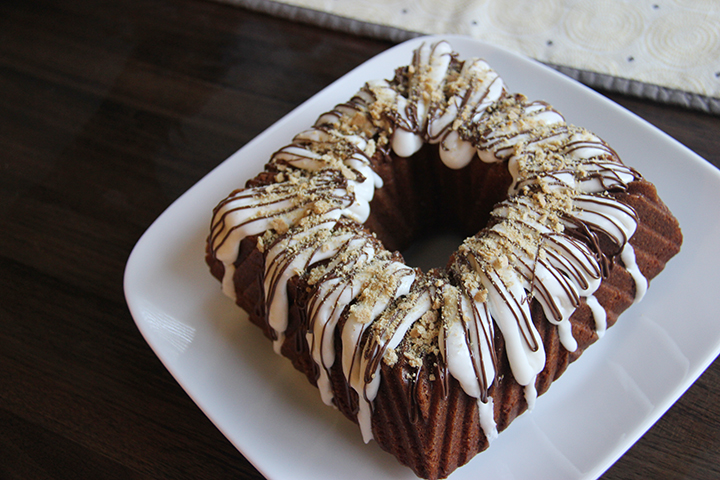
x=634 y=88
x=600 y=81
x=324 y=20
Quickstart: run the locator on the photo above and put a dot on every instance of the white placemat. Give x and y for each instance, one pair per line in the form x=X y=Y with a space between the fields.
x=665 y=50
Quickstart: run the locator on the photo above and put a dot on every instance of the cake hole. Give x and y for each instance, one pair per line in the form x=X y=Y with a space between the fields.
x=432 y=250
x=426 y=210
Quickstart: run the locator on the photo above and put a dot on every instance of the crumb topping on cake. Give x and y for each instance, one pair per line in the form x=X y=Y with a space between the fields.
x=541 y=244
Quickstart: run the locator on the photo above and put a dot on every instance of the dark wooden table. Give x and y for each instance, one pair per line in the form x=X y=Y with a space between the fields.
x=110 y=110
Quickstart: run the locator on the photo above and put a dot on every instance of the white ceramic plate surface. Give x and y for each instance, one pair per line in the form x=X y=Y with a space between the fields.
x=586 y=421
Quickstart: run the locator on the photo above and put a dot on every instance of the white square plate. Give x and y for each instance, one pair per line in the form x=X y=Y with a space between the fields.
x=586 y=421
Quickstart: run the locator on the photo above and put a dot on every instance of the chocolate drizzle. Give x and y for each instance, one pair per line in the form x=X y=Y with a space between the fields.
x=551 y=241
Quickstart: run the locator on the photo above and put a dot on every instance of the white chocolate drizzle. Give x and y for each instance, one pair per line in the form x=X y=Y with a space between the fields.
x=543 y=243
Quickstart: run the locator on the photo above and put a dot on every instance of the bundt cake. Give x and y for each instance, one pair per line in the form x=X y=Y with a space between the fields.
x=561 y=238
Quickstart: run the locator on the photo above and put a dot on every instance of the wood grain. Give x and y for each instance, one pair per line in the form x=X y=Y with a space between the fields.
x=109 y=111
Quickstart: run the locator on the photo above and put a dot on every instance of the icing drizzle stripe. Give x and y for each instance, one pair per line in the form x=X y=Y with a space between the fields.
x=543 y=245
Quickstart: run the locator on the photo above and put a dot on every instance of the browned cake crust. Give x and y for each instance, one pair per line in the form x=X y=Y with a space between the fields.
x=421 y=413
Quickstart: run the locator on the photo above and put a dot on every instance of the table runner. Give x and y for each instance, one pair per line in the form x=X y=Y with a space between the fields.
x=664 y=50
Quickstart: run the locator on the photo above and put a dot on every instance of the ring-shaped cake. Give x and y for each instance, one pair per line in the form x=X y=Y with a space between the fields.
x=561 y=238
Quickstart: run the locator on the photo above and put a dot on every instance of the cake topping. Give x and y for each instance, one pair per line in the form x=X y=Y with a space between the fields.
x=542 y=245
